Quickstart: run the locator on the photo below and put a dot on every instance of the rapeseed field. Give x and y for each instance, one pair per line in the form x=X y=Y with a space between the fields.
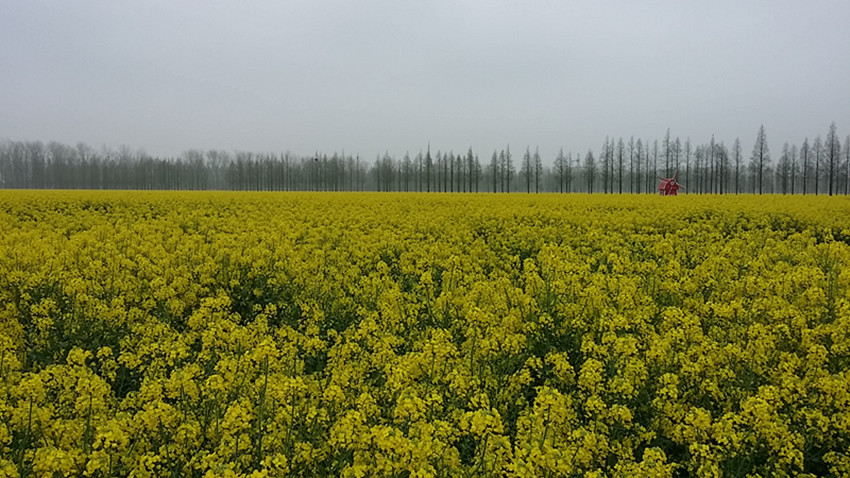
x=406 y=335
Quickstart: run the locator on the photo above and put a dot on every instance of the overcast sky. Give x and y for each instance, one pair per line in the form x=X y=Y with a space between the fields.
x=373 y=76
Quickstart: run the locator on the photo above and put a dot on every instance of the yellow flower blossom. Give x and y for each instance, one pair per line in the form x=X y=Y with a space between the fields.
x=293 y=334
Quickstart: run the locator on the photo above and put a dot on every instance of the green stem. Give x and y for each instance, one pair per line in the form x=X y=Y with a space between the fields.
x=260 y=414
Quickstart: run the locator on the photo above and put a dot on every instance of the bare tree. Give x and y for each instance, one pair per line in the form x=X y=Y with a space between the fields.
x=472 y=170
x=620 y=157
x=604 y=158
x=783 y=169
x=832 y=156
x=589 y=170
x=722 y=155
x=510 y=171
x=429 y=164
x=494 y=167
x=847 y=165
x=817 y=151
x=738 y=159
x=538 y=169
x=526 y=169
x=760 y=158
x=632 y=164
x=638 y=162
x=651 y=179
x=503 y=169
x=709 y=179
x=687 y=161
x=794 y=168
x=560 y=170
x=805 y=158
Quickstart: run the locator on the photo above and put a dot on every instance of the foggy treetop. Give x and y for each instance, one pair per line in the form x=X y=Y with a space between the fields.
x=818 y=166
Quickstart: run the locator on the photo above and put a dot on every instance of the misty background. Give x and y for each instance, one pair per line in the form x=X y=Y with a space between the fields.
x=374 y=77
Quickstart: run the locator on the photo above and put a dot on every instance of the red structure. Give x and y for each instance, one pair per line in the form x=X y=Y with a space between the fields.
x=669 y=186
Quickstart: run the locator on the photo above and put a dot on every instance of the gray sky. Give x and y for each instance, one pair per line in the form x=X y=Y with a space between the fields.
x=373 y=76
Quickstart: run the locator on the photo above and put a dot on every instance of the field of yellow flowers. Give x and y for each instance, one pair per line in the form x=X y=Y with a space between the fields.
x=250 y=334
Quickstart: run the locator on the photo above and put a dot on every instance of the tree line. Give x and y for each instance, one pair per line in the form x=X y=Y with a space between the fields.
x=819 y=166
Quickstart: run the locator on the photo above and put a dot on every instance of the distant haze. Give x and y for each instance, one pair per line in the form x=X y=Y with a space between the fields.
x=367 y=77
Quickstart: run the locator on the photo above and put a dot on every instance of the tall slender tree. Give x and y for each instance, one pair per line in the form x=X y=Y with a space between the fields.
x=832 y=155
x=470 y=175
x=507 y=170
x=632 y=164
x=638 y=163
x=560 y=170
x=621 y=153
x=526 y=170
x=738 y=159
x=722 y=155
x=817 y=151
x=589 y=170
x=687 y=161
x=699 y=160
x=604 y=159
x=538 y=169
x=709 y=168
x=429 y=165
x=783 y=170
x=794 y=168
x=494 y=167
x=653 y=179
x=847 y=165
x=760 y=158
x=805 y=158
